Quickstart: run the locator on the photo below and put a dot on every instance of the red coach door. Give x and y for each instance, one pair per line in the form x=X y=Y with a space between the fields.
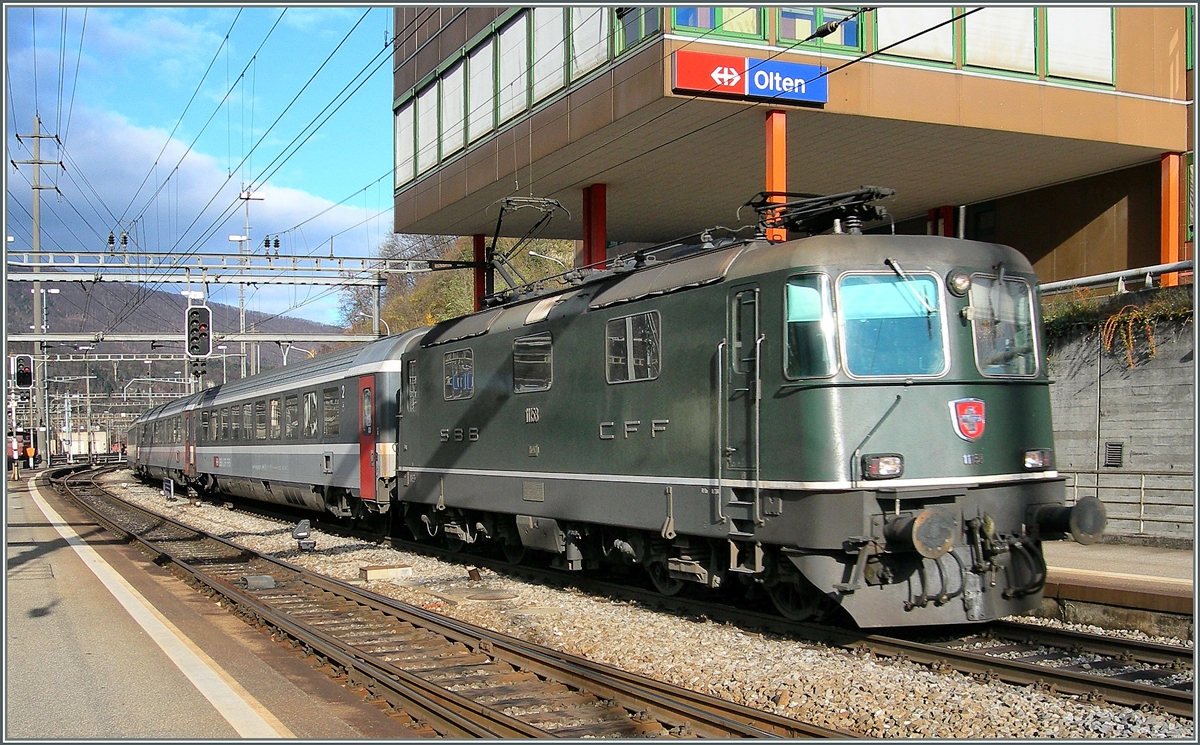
x=366 y=438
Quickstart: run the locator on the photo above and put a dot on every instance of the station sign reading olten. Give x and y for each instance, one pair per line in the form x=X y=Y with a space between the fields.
x=750 y=77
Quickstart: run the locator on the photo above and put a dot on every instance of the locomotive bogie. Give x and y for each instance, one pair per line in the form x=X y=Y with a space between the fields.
x=844 y=421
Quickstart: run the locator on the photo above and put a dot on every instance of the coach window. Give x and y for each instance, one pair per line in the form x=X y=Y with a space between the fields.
x=310 y=414
x=224 y=424
x=633 y=347
x=810 y=327
x=458 y=374
x=204 y=433
x=275 y=419
x=367 y=408
x=533 y=368
x=177 y=430
x=892 y=324
x=260 y=420
x=247 y=421
x=291 y=417
x=332 y=411
x=235 y=422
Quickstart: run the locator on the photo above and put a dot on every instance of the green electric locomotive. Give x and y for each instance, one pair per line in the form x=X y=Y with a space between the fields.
x=845 y=420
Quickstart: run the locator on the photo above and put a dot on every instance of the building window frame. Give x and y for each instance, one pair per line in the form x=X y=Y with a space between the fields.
x=622 y=43
x=819 y=19
x=719 y=20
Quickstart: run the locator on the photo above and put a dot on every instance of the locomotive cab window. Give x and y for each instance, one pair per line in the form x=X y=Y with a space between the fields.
x=367 y=408
x=633 y=347
x=892 y=325
x=533 y=368
x=810 y=327
x=458 y=374
x=1002 y=326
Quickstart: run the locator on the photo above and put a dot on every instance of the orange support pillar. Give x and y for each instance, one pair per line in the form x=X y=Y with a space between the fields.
x=1171 y=241
x=776 y=164
x=595 y=226
x=481 y=287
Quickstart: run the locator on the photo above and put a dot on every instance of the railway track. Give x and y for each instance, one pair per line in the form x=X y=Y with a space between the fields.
x=1091 y=667
x=438 y=676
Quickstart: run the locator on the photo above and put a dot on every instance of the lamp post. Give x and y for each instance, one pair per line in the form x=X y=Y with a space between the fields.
x=87 y=377
x=549 y=258
x=386 y=328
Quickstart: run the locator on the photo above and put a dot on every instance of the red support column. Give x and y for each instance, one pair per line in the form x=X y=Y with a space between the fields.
x=595 y=226
x=480 y=273
x=1171 y=241
x=776 y=158
x=940 y=221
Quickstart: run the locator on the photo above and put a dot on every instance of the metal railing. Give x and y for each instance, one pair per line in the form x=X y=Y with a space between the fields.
x=1155 y=497
x=62 y=459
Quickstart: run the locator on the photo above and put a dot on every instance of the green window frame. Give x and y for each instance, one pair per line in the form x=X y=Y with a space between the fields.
x=796 y=24
x=633 y=25
x=721 y=21
x=993 y=59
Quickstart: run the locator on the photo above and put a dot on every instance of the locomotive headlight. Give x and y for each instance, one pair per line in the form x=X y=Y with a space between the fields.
x=958 y=283
x=1039 y=460
x=883 y=466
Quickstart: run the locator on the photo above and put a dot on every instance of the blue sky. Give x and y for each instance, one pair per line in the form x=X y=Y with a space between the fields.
x=115 y=83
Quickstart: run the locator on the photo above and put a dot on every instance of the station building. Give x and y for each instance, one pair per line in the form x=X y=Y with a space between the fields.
x=1063 y=131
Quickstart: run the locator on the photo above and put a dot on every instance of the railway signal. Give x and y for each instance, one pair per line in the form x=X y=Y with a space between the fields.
x=199 y=331
x=24 y=371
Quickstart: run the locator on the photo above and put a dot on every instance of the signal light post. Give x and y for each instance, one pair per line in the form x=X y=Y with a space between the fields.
x=199 y=339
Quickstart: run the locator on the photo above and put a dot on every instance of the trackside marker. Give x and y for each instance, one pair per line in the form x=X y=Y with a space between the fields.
x=231 y=701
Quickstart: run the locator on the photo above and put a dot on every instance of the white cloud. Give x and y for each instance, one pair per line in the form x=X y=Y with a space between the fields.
x=114 y=156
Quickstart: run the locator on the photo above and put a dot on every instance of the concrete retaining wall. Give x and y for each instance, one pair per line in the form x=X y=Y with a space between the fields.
x=1101 y=406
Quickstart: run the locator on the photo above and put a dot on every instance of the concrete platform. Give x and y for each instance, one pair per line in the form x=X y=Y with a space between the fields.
x=1141 y=577
x=102 y=643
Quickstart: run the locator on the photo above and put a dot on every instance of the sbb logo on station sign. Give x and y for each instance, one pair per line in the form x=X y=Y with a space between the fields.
x=749 y=77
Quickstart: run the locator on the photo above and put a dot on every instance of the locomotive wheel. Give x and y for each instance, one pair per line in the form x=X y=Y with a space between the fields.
x=793 y=601
x=514 y=551
x=662 y=579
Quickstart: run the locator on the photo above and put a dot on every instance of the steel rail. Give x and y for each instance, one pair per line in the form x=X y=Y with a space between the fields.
x=683 y=710
x=1137 y=650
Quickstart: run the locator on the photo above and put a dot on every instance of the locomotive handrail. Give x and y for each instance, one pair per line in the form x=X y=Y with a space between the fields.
x=757 y=418
x=720 y=429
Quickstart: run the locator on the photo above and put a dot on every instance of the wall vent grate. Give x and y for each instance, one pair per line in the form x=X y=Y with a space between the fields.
x=1114 y=454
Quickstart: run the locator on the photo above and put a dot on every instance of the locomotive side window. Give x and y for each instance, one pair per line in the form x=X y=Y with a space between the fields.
x=291 y=417
x=1002 y=326
x=310 y=414
x=810 y=329
x=533 y=365
x=367 y=409
x=745 y=330
x=260 y=420
x=458 y=374
x=412 y=385
x=633 y=347
x=332 y=408
x=892 y=325
x=275 y=419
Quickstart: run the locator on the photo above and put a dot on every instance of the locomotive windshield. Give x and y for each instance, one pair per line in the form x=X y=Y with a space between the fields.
x=892 y=325
x=1002 y=325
